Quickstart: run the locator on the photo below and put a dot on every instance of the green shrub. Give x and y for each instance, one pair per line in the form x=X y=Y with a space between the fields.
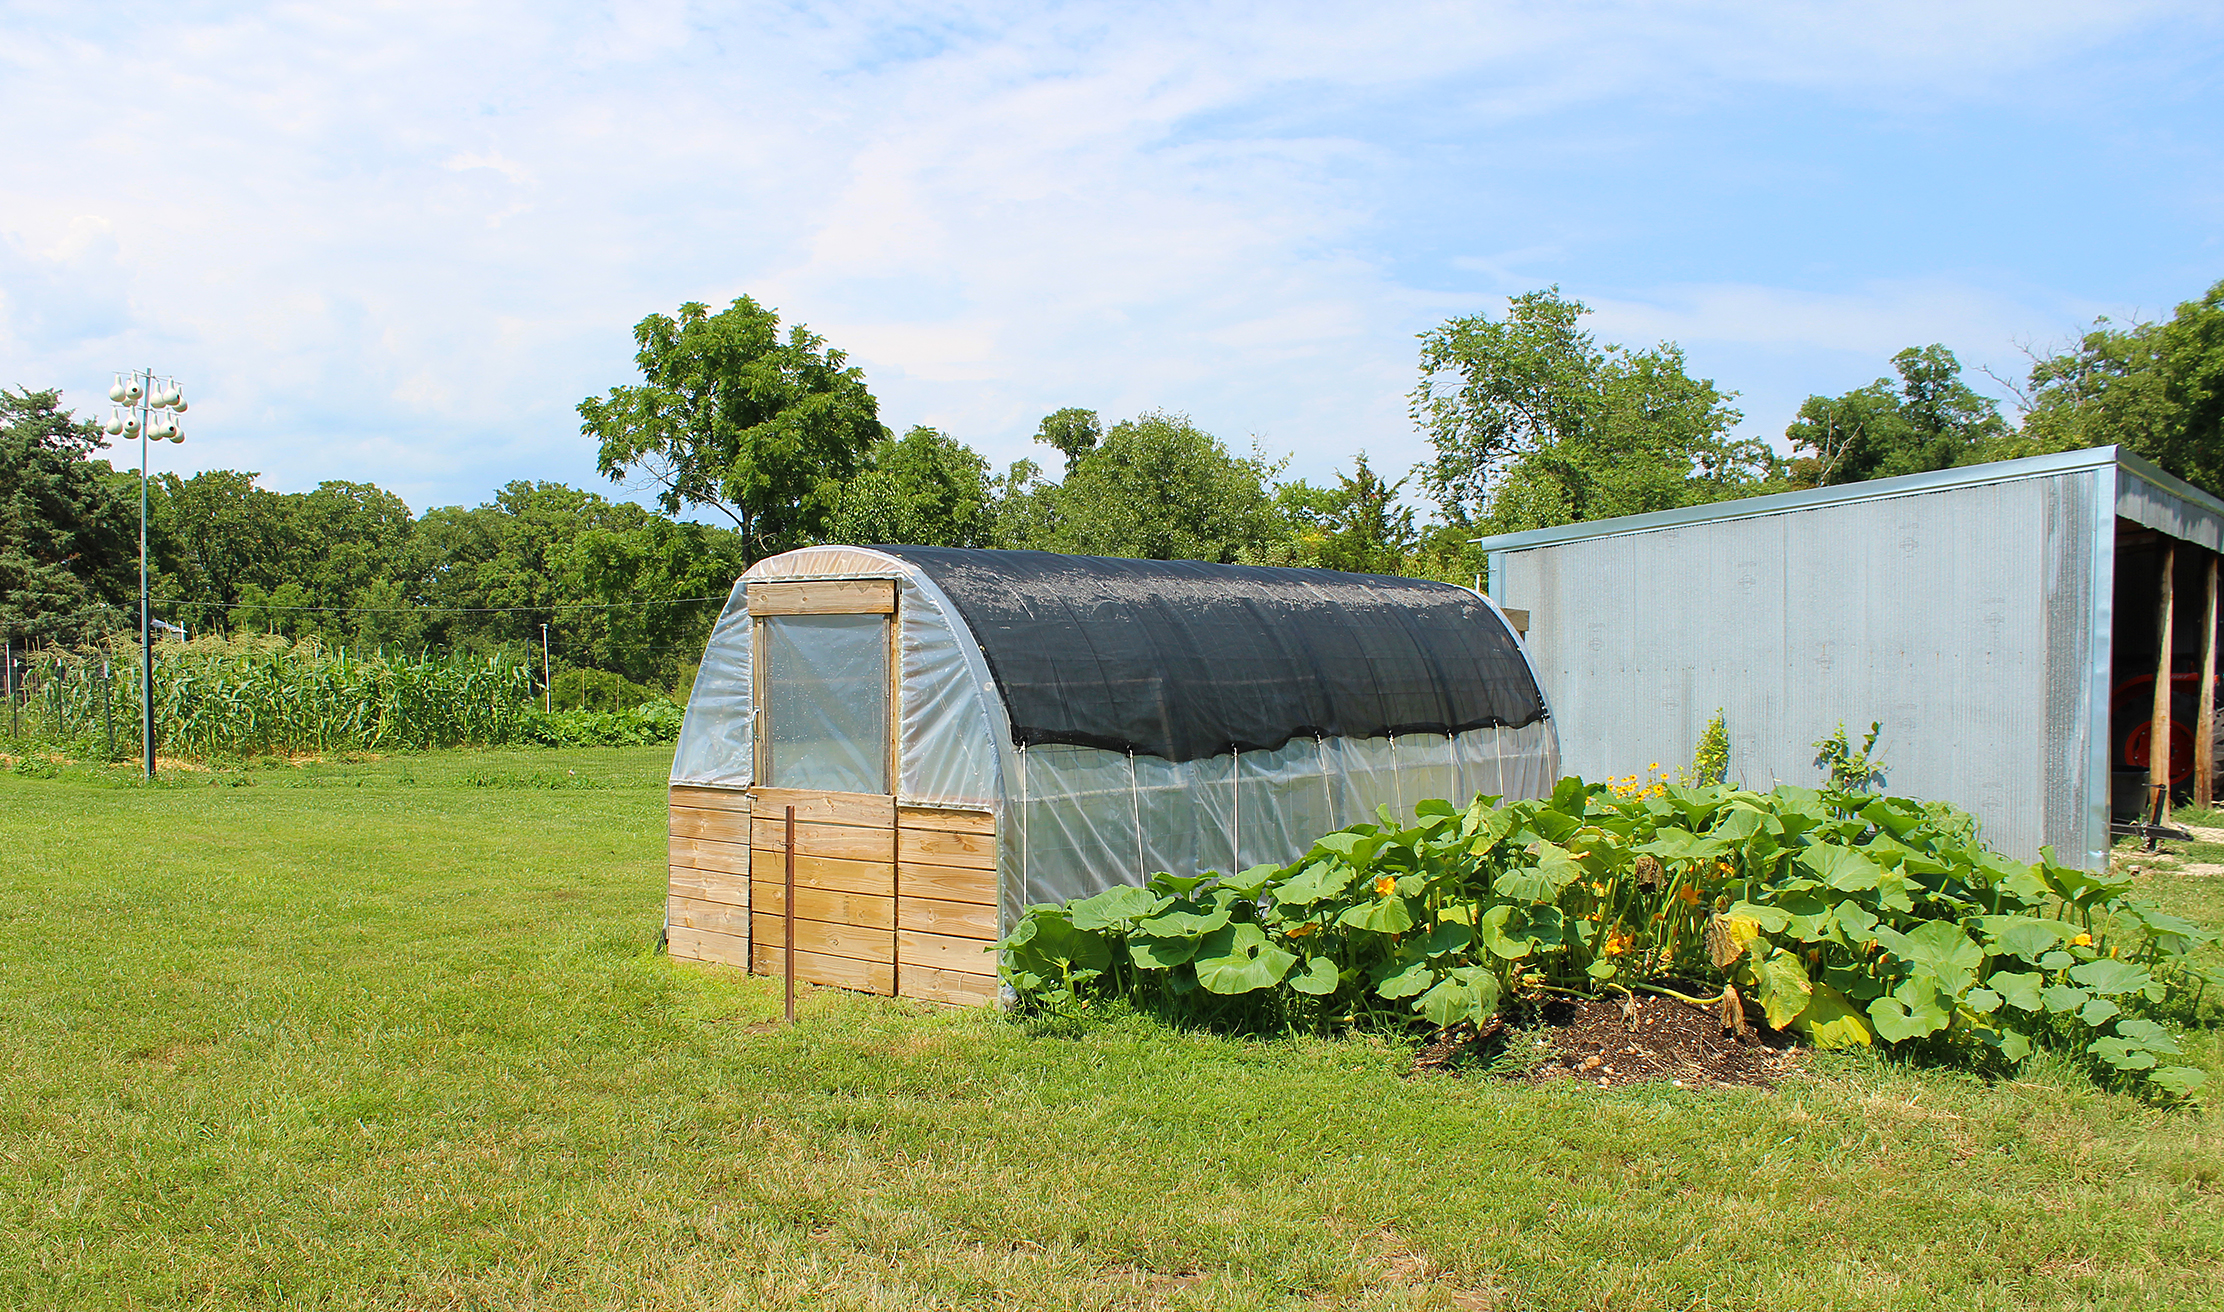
x=650 y=722
x=1848 y=918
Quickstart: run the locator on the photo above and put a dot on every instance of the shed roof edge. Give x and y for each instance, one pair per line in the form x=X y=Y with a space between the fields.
x=1781 y=503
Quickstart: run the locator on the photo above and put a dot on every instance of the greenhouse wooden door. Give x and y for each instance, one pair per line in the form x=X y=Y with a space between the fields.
x=888 y=899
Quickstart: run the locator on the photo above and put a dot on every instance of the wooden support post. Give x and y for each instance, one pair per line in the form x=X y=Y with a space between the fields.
x=790 y=907
x=2158 y=726
x=2204 y=723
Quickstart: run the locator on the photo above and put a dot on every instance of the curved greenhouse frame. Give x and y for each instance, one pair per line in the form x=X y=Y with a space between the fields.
x=965 y=733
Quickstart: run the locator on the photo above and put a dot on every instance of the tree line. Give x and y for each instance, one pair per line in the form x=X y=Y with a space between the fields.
x=774 y=439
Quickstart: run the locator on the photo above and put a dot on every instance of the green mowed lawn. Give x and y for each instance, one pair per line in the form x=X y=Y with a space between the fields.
x=395 y=1034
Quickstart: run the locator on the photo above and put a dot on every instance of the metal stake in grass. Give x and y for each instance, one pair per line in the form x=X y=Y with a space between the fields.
x=790 y=904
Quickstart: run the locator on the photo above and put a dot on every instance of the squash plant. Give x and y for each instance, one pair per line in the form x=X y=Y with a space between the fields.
x=1849 y=918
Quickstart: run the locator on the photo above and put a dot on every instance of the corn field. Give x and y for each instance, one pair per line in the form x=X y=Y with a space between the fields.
x=252 y=696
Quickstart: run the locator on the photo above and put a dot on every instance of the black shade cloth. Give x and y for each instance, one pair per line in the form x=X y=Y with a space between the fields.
x=1184 y=660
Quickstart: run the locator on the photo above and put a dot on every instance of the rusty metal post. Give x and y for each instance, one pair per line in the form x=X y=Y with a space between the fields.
x=790 y=905
x=2204 y=723
x=2158 y=725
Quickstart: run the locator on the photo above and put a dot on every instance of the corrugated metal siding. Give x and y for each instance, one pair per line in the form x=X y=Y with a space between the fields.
x=1935 y=613
x=2143 y=500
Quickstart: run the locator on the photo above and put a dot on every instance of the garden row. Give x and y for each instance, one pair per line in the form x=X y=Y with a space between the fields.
x=244 y=697
x=1849 y=918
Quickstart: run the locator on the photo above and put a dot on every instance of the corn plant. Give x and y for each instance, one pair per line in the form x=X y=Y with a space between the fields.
x=218 y=697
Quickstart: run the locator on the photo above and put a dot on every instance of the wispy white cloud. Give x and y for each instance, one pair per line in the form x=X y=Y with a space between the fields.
x=400 y=242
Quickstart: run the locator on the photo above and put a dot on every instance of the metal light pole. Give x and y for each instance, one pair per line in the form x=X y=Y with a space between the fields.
x=149 y=413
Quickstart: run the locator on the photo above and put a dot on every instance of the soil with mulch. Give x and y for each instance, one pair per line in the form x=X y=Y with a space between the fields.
x=1611 y=1043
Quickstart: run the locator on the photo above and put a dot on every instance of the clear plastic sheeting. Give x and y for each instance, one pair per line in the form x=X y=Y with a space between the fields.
x=1071 y=820
x=949 y=720
x=826 y=702
x=1082 y=819
x=717 y=748
x=952 y=718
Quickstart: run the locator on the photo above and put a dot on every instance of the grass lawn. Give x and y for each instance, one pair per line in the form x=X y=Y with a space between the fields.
x=394 y=1034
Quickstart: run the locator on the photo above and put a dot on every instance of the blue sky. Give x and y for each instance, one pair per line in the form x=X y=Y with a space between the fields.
x=399 y=242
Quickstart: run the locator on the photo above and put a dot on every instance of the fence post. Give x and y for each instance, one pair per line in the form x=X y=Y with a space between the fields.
x=7 y=645
x=107 y=708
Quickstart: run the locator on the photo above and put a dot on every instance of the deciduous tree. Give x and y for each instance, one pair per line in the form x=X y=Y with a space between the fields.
x=1926 y=419
x=68 y=527
x=764 y=428
x=1535 y=423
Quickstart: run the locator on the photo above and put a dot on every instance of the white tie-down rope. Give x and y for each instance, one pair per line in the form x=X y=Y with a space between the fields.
x=1135 y=811
x=1397 y=780
x=1235 y=845
x=1328 y=794
x=1026 y=889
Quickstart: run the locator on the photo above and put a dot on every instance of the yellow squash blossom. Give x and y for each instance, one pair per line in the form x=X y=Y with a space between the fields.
x=1385 y=886
x=2082 y=941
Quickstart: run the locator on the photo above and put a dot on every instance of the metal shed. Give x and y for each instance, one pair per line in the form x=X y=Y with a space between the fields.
x=2001 y=621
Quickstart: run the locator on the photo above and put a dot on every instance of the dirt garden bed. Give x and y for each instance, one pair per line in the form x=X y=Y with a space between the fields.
x=1608 y=1044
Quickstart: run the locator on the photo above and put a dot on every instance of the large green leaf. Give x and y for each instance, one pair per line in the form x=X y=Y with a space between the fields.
x=1183 y=923
x=1555 y=870
x=1571 y=796
x=1469 y=993
x=1897 y=816
x=1484 y=827
x=2098 y=1012
x=2123 y=1054
x=2019 y=989
x=1554 y=826
x=1833 y=1020
x=1856 y=925
x=1248 y=884
x=2062 y=999
x=1355 y=847
x=2180 y=1080
x=1405 y=981
x=2028 y=937
x=1842 y=868
x=1737 y=823
x=1683 y=845
x=1908 y=1012
x=1938 y=948
x=1513 y=931
x=1782 y=987
x=1161 y=953
x=1318 y=978
x=2174 y=936
x=1445 y=938
x=2010 y=1043
x=1384 y=915
x=1115 y=907
x=1240 y=959
x=2147 y=1034
x=2108 y=975
x=1316 y=881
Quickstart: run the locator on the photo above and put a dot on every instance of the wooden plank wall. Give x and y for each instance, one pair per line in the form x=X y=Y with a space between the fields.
x=887 y=898
x=706 y=909
x=946 y=911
